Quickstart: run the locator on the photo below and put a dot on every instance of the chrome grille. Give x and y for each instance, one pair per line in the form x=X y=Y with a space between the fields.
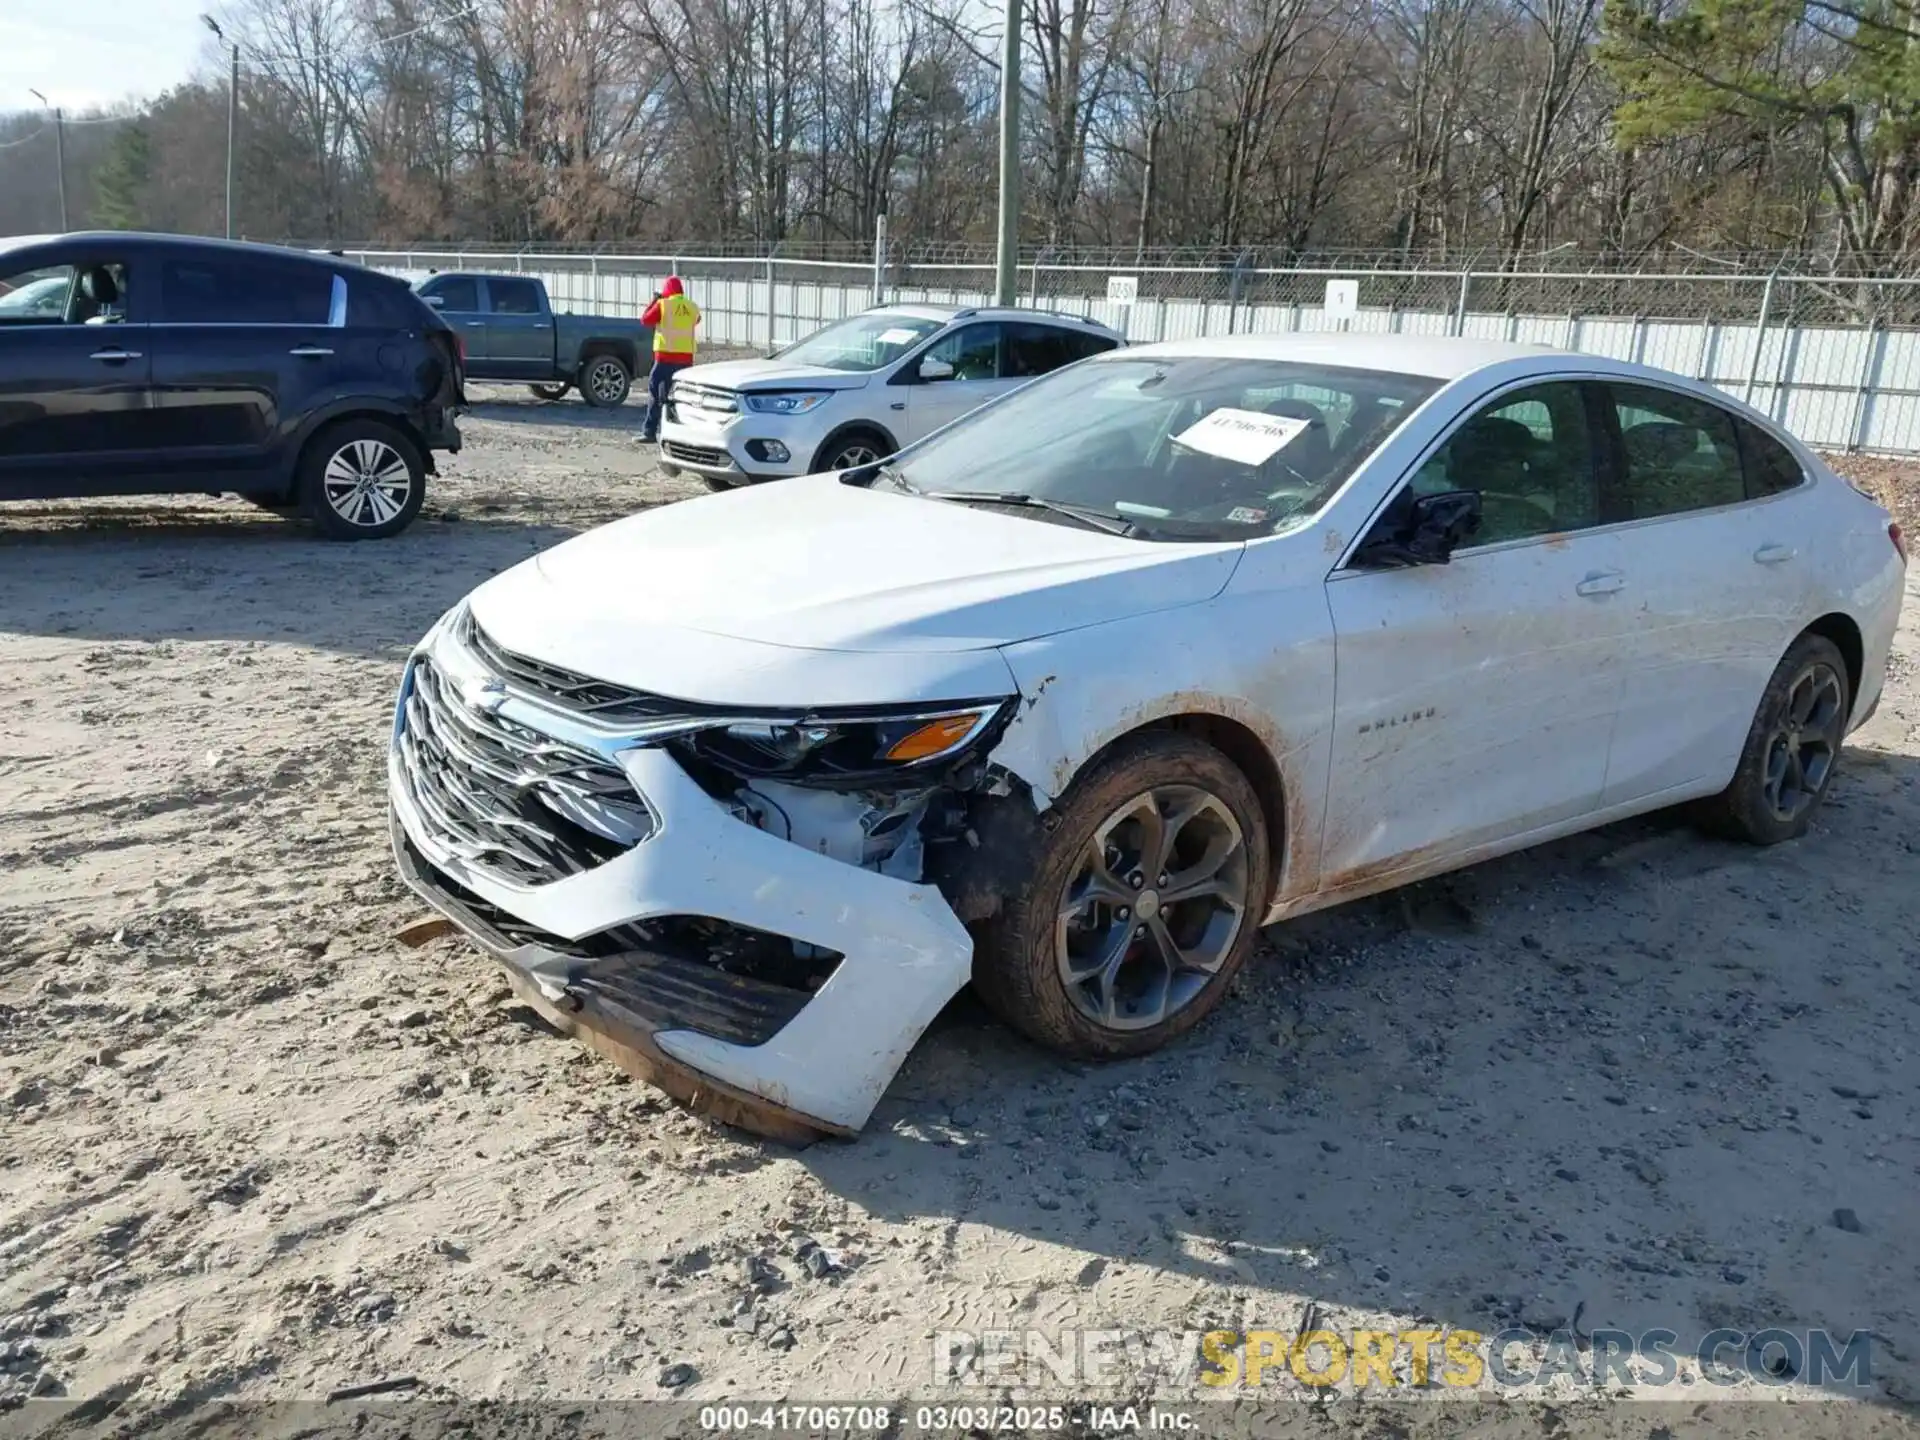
x=703 y=397
x=507 y=799
x=568 y=689
x=697 y=455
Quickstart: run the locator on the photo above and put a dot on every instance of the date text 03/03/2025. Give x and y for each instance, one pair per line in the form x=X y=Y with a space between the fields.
x=941 y=1419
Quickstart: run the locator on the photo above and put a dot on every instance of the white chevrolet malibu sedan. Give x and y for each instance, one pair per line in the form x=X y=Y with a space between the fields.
x=1073 y=696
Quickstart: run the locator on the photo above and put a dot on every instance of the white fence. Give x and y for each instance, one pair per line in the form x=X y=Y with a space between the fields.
x=1837 y=361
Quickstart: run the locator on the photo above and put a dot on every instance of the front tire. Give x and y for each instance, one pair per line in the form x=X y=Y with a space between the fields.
x=851 y=449
x=605 y=381
x=1792 y=748
x=1144 y=902
x=362 y=480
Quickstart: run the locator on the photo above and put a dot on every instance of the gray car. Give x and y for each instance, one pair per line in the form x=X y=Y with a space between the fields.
x=512 y=332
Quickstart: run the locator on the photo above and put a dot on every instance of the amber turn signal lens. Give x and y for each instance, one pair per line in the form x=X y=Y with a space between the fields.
x=932 y=737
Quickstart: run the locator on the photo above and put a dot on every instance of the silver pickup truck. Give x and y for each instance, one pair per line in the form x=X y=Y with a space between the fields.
x=511 y=332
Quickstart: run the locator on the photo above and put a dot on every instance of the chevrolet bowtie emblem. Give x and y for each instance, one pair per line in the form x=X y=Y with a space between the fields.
x=488 y=695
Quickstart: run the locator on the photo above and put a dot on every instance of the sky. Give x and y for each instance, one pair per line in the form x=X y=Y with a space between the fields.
x=84 y=53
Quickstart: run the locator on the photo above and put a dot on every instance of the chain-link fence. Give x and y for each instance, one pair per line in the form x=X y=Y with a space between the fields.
x=1834 y=358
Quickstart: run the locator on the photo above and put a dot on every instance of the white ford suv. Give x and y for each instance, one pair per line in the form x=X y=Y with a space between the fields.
x=861 y=388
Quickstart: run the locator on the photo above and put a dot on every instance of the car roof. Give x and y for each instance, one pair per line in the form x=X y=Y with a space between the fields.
x=1439 y=357
x=946 y=313
x=145 y=240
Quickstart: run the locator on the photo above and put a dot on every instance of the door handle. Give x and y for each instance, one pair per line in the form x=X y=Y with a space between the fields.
x=115 y=356
x=898 y=405
x=1774 y=554
x=306 y=352
x=1601 y=582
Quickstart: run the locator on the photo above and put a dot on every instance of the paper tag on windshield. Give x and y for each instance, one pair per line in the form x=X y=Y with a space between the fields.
x=898 y=337
x=1246 y=437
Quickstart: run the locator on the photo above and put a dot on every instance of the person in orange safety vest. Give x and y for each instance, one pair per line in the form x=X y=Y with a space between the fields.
x=674 y=318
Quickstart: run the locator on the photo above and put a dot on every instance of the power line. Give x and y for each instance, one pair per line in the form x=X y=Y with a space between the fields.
x=12 y=144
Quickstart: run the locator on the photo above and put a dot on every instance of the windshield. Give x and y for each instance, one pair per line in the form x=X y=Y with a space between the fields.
x=863 y=343
x=1186 y=447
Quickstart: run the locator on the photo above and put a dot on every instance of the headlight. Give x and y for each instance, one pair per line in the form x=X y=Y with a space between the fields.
x=844 y=749
x=786 y=402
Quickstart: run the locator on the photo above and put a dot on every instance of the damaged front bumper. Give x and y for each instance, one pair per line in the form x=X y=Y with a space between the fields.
x=602 y=925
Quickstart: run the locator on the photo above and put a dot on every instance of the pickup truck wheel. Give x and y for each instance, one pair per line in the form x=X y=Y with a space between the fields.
x=605 y=381
x=1145 y=900
x=362 y=480
x=550 y=392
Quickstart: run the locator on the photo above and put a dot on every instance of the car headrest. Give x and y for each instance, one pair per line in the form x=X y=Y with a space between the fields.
x=97 y=285
x=1313 y=447
x=1660 y=442
x=1489 y=441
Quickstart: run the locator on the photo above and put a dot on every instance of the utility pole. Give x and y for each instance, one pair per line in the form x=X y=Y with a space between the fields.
x=233 y=103
x=59 y=154
x=1006 y=266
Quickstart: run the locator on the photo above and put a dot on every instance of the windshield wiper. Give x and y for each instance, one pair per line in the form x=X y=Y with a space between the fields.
x=1086 y=515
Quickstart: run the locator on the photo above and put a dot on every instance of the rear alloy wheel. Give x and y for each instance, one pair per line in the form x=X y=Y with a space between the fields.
x=550 y=392
x=362 y=480
x=1791 y=750
x=605 y=381
x=1146 y=899
x=850 y=451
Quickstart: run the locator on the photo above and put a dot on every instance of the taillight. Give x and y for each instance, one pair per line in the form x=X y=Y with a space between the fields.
x=460 y=346
x=1899 y=540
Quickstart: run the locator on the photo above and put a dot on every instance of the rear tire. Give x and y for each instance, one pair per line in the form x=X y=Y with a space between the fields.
x=362 y=480
x=551 y=392
x=851 y=448
x=714 y=483
x=1086 y=958
x=605 y=381
x=1792 y=749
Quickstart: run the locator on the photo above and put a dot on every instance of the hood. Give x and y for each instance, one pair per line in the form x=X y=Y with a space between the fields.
x=773 y=374
x=673 y=286
x=816 y=565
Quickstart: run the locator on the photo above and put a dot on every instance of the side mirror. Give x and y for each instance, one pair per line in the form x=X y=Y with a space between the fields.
x=438 y=302
x=1426 y=532
x=932 y=369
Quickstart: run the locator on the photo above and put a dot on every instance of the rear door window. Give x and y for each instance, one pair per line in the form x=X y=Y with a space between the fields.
x=234 y=291
x=1770 y=466
x=513 y=297
x=1677 y=453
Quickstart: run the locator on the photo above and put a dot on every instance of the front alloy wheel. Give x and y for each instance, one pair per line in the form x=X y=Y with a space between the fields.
x=1154 y=908
x=1142 y=899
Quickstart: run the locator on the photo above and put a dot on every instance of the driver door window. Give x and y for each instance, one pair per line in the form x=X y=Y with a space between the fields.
x=87 y=294
x=973 y=352
x=1530 y=457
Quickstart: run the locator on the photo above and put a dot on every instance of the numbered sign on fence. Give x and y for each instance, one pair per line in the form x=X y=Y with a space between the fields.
x=1123 y=289
x=1343 y=299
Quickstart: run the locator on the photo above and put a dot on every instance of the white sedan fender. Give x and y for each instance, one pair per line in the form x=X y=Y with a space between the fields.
x=1084 y=689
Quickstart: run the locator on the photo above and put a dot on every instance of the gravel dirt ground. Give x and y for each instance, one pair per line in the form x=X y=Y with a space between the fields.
x=253 y=1148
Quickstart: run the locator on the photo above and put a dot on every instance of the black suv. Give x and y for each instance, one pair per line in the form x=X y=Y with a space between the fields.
x=146 y=364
